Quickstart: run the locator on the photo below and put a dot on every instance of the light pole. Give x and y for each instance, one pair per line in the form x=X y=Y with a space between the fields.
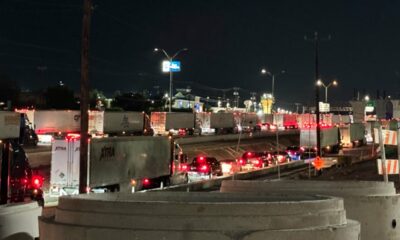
x=320 y=83
x=170 y=59
x=268 y=73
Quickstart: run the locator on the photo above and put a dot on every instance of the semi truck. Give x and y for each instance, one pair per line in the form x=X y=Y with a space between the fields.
x=246 y=121
x=18 y=181
x=286 y=121
x=124 y=164
x=330 y=141
x=220 y=123
x=127 y=123
x=50 y=123
x=173 y=123
x=341 y=119
x=352 y=135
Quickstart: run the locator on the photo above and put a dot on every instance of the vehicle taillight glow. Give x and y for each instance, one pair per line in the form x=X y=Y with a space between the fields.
x=37 y=181
x=249 y=154
x=183 y=167
x=24 y=181
x=72 y=137
x=201 y=159
x=241 y=161
x=204 y=168
x=146 y=181
x=302 y=149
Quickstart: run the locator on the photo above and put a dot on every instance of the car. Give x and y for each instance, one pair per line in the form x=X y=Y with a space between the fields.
x=294 y=152
x=255 y=159
x=203 y=167
x=229 y=166
x=308 y=152
x=281 y=157
x=264 y=126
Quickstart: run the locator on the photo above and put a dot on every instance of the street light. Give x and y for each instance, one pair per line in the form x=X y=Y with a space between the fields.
x=320 y=83
x=170 y=59
x=266 y=72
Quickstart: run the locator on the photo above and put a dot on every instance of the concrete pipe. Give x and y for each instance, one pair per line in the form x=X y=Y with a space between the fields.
x=180 y=215
x=374 y=204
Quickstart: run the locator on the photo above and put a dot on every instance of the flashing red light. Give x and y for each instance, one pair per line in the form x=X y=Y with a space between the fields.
x=37 y=181
x=146 y=181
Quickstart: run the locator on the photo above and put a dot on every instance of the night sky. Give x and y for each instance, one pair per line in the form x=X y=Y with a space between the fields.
x=228 y=41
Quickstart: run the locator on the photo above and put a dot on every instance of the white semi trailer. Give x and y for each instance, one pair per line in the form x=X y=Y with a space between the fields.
x=127 y=123
x=122 y=164
x=165 y=123
x=352 y=135
x=329 y=139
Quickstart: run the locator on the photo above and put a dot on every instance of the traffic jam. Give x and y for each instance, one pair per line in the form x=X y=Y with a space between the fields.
x=125 y=141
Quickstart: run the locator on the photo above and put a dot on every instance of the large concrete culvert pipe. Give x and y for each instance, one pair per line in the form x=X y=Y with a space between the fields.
x=189 y=216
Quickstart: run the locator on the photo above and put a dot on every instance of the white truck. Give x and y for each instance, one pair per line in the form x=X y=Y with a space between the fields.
x=165 y=123
x=329 y=139
x=124 y=164
x=9 y=125
x=126 y=123
x=221 y=122
x=352 y=135
x=50 y=123
x=338 y=119
x=285 y=121
x=246 y=121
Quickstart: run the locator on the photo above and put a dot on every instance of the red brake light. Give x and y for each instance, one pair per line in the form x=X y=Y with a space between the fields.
x=241 y=161
x=72 y=137
x=204 y=168
x=201 y=159
x=37 y=181
x=302 y=149
x=183 y=167
x=249 y=154
x=146 y=181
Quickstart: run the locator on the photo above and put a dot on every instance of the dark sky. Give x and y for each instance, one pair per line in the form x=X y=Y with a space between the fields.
x=228 y=41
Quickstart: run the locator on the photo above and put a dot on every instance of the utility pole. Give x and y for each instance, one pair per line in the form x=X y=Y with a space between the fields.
x=83 y=167
x=316 y=40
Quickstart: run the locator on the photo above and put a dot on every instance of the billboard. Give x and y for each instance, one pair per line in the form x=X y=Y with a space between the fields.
x=173 y=66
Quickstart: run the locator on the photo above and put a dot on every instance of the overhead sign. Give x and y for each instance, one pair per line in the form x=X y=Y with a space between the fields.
x=173 y=66
x=324 y=107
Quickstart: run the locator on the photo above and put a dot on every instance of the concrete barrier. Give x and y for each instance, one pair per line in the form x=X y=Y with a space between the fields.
x=374 y=204
x=216 y=182
x=233 y=137
x=19 y=221
x=166 y=215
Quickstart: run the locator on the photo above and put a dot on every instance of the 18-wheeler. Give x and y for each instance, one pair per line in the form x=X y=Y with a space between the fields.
x=166 y=123
x=127 y=123
x=285 y=121
x=220 y=123
x=352 y=135
x=50 y=123
x=122 y=164
x=330 y=141
x=18 y=181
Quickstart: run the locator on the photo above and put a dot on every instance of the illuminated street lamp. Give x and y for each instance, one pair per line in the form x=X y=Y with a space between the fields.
x=320 y=83
x=366 y=98
x=170 y=59
x=268 y=73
